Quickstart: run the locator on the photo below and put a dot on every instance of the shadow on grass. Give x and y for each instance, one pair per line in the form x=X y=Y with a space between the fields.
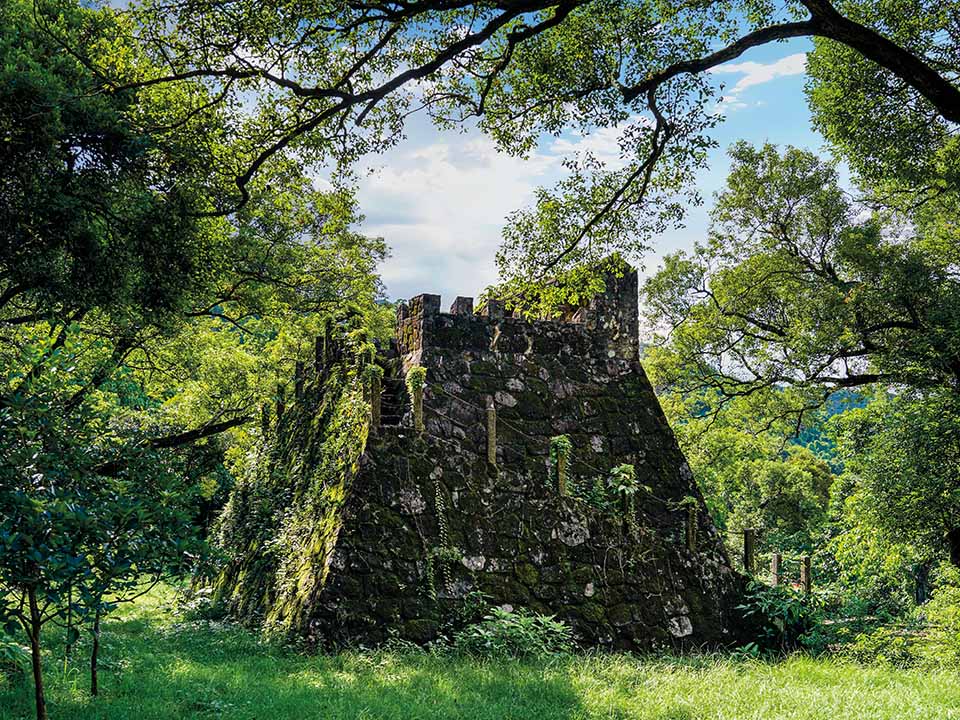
x=200 y=671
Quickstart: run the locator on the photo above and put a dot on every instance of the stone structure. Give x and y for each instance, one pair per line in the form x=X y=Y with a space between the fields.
x=474 y=502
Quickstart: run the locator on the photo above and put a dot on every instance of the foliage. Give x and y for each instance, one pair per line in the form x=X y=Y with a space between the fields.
x=14 y=658
x=864 y=102
x=623 y=480
x=78 y=535
x=797 y=295
x=514 y=633
x=884 y=645
x=561 y=450
x=940 y=619
x=416 y=381
x=782 y=614
x=280 y=523
x=593 y=491
x=903 y=453
x=352 y=75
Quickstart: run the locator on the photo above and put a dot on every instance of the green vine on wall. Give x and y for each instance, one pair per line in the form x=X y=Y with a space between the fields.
x=561 y=450
x=371 y=373
x=623 y=483
x=281 y=522
x=441 y=557
x=416 y=381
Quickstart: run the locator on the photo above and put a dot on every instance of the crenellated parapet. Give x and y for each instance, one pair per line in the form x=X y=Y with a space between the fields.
x=607 y=324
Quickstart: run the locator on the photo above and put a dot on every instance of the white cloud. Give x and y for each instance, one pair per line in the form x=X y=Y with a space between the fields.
x=441 y=206
x=755 y=73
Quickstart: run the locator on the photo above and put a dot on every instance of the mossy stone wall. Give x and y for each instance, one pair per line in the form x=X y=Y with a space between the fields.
x=429 y=521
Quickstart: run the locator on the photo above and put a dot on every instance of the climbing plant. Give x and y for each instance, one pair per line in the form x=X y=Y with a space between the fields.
x=561 y=450
x=416 y=380
x=282 y=519
x=622 y=482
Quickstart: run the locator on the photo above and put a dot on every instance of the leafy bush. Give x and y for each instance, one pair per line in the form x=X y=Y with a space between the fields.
x=941 y=616
x=14 y=658
x=885 y=645
x=514 y=633
x=784 y=617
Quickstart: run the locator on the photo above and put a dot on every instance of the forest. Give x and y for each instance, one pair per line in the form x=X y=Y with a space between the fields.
x=199 y=355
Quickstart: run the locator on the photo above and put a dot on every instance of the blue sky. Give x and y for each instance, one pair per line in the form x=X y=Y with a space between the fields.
x=440 y=199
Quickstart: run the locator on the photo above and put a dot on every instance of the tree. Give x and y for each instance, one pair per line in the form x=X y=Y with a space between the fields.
x=903 y=454
x=137 y=330
x=334 y=82
x=73 y=540
x=854 y=102
x=105 y=235
x=799 y=295
x=796 y=295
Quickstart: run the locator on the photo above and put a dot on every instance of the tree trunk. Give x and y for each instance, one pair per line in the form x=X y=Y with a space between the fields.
x=35 y=625
x=953 y=544
x=922 y=576
x=94 y=684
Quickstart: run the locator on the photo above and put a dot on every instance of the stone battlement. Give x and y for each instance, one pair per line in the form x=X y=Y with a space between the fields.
x=606 y=323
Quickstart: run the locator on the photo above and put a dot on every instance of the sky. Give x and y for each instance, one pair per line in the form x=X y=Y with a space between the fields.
x=439 y=199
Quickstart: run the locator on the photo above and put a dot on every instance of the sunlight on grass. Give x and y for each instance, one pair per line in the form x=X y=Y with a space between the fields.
x=156 y=668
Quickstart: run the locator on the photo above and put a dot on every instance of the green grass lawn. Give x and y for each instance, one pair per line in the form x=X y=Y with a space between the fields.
x=154 y=668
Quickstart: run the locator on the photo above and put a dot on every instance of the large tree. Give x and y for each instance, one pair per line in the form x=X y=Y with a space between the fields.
x=799 y=293
x=107 y=243
x=334 y=81
x=798 y=290
x=136 y=323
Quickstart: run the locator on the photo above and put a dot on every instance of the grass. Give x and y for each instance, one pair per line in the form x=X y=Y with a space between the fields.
x=154 y=668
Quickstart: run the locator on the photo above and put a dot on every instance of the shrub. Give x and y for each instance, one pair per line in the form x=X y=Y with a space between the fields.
x=884 y=645
x=514 y=633
x=783 y=616
x=14 y=658
x=941 y=615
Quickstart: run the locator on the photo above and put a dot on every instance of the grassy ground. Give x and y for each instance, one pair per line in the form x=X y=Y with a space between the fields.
x=155 y=669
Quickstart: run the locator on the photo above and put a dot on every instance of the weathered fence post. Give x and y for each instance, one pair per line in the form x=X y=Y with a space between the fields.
x=749 y=538
x=805 y=579
x=491 y=431
x=691 y=528
x=775 y=560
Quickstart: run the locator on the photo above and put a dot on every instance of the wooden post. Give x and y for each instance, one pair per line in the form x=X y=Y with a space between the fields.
x=491 y=431
x=562 y=474
x=805 y=578
x=749 y=537
x=691 y=528
x=417 y=402
x=775 y=560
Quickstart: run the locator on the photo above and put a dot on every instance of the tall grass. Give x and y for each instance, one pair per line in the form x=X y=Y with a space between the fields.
x=155 y=668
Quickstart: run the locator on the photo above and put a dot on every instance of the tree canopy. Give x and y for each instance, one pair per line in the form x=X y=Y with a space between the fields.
x=333 y=82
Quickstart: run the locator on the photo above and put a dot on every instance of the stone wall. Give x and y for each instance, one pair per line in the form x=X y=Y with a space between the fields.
x=429 y=519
